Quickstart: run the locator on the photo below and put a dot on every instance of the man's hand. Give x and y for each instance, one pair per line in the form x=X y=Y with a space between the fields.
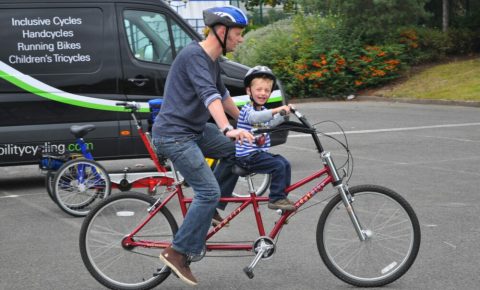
x=240 y=135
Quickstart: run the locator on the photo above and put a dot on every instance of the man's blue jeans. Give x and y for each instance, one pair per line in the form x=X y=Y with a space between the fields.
x=188 y=156
x=267 y=163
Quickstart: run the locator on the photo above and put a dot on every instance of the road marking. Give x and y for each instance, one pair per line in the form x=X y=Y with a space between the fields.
x=392 y=129
x=21 y=195
x=451 y=245
x=13 y=195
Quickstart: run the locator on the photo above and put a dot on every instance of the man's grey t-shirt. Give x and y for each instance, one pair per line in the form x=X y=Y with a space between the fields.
x=193 y=82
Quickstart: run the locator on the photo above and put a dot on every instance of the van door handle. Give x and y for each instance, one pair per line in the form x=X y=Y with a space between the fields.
x=139 y=82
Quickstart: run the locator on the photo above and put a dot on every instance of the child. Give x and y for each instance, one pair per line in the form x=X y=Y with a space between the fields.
x=259 y=83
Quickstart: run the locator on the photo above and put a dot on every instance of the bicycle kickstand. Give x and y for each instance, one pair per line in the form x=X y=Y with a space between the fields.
x=264 y=250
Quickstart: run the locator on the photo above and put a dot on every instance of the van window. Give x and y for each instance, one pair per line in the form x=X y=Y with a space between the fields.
x=149 y=37
x=180 y=37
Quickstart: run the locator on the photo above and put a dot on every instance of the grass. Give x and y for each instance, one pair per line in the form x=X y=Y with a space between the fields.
x=455 y=81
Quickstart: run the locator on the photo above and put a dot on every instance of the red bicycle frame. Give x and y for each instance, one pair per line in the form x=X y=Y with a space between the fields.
x=130 y=241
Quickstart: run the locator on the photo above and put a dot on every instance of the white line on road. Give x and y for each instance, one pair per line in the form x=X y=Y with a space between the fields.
x=13 y=195
x=21 y=195
x=392 y=129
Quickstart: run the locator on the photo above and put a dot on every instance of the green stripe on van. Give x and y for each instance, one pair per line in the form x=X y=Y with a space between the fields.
x=58 y=98
x=270 y=100
x=29 y=88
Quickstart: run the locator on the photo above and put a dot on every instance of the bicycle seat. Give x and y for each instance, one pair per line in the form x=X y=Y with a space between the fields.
x=240 y=171
x=81 y=130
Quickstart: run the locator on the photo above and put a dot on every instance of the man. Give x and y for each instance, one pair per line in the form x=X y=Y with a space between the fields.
x=194 y=92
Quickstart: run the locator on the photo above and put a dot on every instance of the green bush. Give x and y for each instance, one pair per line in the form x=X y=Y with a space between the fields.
x=320 y=57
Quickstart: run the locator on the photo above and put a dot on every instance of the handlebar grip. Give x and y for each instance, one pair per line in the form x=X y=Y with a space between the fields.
x=129 y=105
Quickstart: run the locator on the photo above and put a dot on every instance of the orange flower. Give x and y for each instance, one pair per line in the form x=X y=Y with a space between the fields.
x=365 y=58
x=380 y=54
x=372 y=47
x=392 y=62
x=358 y=83
x=316 y=64
x=378 y=73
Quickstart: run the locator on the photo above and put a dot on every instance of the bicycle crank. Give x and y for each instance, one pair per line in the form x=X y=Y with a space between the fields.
x=264 y=247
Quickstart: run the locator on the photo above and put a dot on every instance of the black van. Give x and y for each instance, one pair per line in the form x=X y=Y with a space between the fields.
x=68 y=62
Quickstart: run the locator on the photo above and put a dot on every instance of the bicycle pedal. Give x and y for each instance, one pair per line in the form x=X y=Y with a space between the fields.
x=164 y=269
x=248 y=272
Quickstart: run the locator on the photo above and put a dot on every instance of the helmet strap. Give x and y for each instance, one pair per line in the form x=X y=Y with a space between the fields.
x=224 y=42
x=255 y=104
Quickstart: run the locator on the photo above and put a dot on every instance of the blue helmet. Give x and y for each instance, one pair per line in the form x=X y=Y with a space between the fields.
x=230 y=16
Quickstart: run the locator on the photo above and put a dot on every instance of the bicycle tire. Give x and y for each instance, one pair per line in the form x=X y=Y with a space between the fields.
x=101 y=235
x=49 y=179
x=390 y=249
x=77 y=197
x=261 y=182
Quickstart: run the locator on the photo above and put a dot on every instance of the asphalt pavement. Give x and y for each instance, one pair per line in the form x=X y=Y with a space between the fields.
x=428 y=153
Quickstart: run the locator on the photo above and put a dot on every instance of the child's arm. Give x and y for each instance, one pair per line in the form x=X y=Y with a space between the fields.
x=255 y=117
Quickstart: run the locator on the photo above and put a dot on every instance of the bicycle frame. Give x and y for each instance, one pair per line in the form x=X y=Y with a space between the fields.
x=244 y=202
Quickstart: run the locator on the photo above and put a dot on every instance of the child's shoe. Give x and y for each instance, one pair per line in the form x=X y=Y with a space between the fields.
x=284 y=204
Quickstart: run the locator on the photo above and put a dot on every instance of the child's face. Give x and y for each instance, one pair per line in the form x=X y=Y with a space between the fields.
x=260 y=90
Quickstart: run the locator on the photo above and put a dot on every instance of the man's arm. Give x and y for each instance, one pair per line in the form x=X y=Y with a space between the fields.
x=230 y=107
x=218 y=114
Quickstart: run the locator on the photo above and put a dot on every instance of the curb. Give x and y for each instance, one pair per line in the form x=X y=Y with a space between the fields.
x=419 y=101
x=391 y=100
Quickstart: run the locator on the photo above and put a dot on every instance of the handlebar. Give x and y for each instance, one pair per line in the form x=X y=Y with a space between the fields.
x=303 y=127
x=134 y=106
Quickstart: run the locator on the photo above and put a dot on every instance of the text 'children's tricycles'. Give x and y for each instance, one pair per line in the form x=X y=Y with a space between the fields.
x=366 y=235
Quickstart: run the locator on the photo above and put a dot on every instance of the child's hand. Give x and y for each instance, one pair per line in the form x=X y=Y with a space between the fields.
x=285 y=109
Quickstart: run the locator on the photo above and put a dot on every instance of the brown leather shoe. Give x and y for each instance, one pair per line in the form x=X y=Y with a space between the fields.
x=178 y=263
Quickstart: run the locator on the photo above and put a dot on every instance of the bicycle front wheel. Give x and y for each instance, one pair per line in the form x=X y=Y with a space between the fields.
x=108 y=261
x=79 y=185
x=391 y=228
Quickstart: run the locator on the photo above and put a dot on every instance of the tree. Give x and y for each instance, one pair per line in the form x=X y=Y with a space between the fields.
x=370 y=19
x=445 y=13
x=287 y=4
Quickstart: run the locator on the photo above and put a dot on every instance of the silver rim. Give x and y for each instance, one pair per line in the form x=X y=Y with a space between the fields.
x=261 y=182
x=125 y=268
x=78 y=198
x=388 y=246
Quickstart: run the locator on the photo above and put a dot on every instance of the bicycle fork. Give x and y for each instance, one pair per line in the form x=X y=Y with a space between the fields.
x=344 y=194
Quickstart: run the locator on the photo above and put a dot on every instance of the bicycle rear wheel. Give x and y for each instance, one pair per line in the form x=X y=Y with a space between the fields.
x=79 y=185
x=49 y=179
x=261 y=182
x=393 y=237
x=108 y=261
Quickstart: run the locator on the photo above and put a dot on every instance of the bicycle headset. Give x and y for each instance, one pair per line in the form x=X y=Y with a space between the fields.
x=258 y=71
x=229 y=16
